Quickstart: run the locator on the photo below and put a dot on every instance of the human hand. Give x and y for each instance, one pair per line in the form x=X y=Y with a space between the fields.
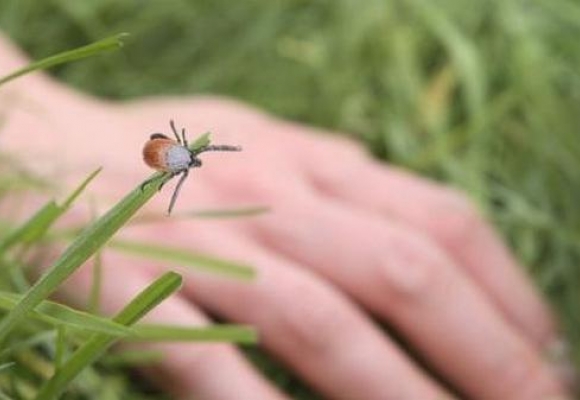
x=347 y=238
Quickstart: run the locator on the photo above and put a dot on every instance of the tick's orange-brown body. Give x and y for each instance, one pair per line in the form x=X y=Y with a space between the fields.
x=155 y=153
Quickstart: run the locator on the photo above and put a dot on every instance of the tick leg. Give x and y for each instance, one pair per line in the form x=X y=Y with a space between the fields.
x=148 y=181
x=176 y=191
x=167 y=180
x=184 y=140
x=172 y=124
x=221 y=147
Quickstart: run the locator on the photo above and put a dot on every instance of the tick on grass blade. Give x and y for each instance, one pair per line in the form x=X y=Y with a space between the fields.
x=174 y=157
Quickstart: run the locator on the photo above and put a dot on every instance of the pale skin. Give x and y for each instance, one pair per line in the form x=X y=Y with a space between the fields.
x=347 y=237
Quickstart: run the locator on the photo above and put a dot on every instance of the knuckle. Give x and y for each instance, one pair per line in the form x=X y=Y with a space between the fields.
x=259 y=186
x=454 y=221
x=412 y=269
x=308 y=318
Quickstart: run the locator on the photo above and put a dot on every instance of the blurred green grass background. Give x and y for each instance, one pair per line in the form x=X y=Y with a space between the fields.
x=484 y=95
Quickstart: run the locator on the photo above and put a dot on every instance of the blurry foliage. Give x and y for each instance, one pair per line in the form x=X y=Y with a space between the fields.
x=485 y=96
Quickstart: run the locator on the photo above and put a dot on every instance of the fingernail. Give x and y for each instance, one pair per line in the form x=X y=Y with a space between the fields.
x=558 y=355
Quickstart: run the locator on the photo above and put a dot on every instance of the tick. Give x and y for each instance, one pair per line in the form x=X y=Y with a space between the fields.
x=174 y=157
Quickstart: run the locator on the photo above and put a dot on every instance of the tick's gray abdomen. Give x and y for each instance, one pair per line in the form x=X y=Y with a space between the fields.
x=178 y=158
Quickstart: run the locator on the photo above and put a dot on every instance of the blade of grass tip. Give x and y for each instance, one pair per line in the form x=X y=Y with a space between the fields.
x=36 y=226
x=84 y=246
x=57 y=314
x=185 y=258
x=96 y=346
x=201 y=141
x=215 y=333
x=107 y=44
x=81 y=188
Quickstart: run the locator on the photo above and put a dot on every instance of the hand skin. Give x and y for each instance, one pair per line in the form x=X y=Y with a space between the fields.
x=347 y=237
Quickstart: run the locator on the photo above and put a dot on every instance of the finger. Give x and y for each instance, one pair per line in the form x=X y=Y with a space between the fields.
x=309 y=325
x=446 y=217
x=186 y=370
x=400 y=275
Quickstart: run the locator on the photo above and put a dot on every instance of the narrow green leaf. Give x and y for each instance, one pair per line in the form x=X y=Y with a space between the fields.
x=214 y=333
x=185 y=258
x=15 y=272
x=202 y=141
x=32 y=228
x=93 y=303
x=4 y=396
x=85 y=245
x=29 y=342
x=149 y=298
x=6 y=366
x=57 y=314
x=133 y=358
x=462 y=51
x=94 y=298
x=229 y=213
x=107 y=44
x=61 y=347
x=98 y=343
x=44 y=218
x=215 y=213
x=77 y=192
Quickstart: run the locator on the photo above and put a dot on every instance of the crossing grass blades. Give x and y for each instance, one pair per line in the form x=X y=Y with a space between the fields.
x=44 y=346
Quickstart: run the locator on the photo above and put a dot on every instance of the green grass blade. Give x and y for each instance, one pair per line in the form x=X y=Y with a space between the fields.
x=32 y=228
x=61 y=347
x=37 y=339
x=239 y=212
x=85 y=245
x=133 y=358
x=96 y=346
x=107 y=44
x=215 y=333
x=57 y=314
x=185 y=258
x=81 y=188
x=16 y=277
x=93 y=303
x=202 y=141
x=227 y=213
x=6 y=366
x=5 y=397
x=462 y=50
x=44 y=218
